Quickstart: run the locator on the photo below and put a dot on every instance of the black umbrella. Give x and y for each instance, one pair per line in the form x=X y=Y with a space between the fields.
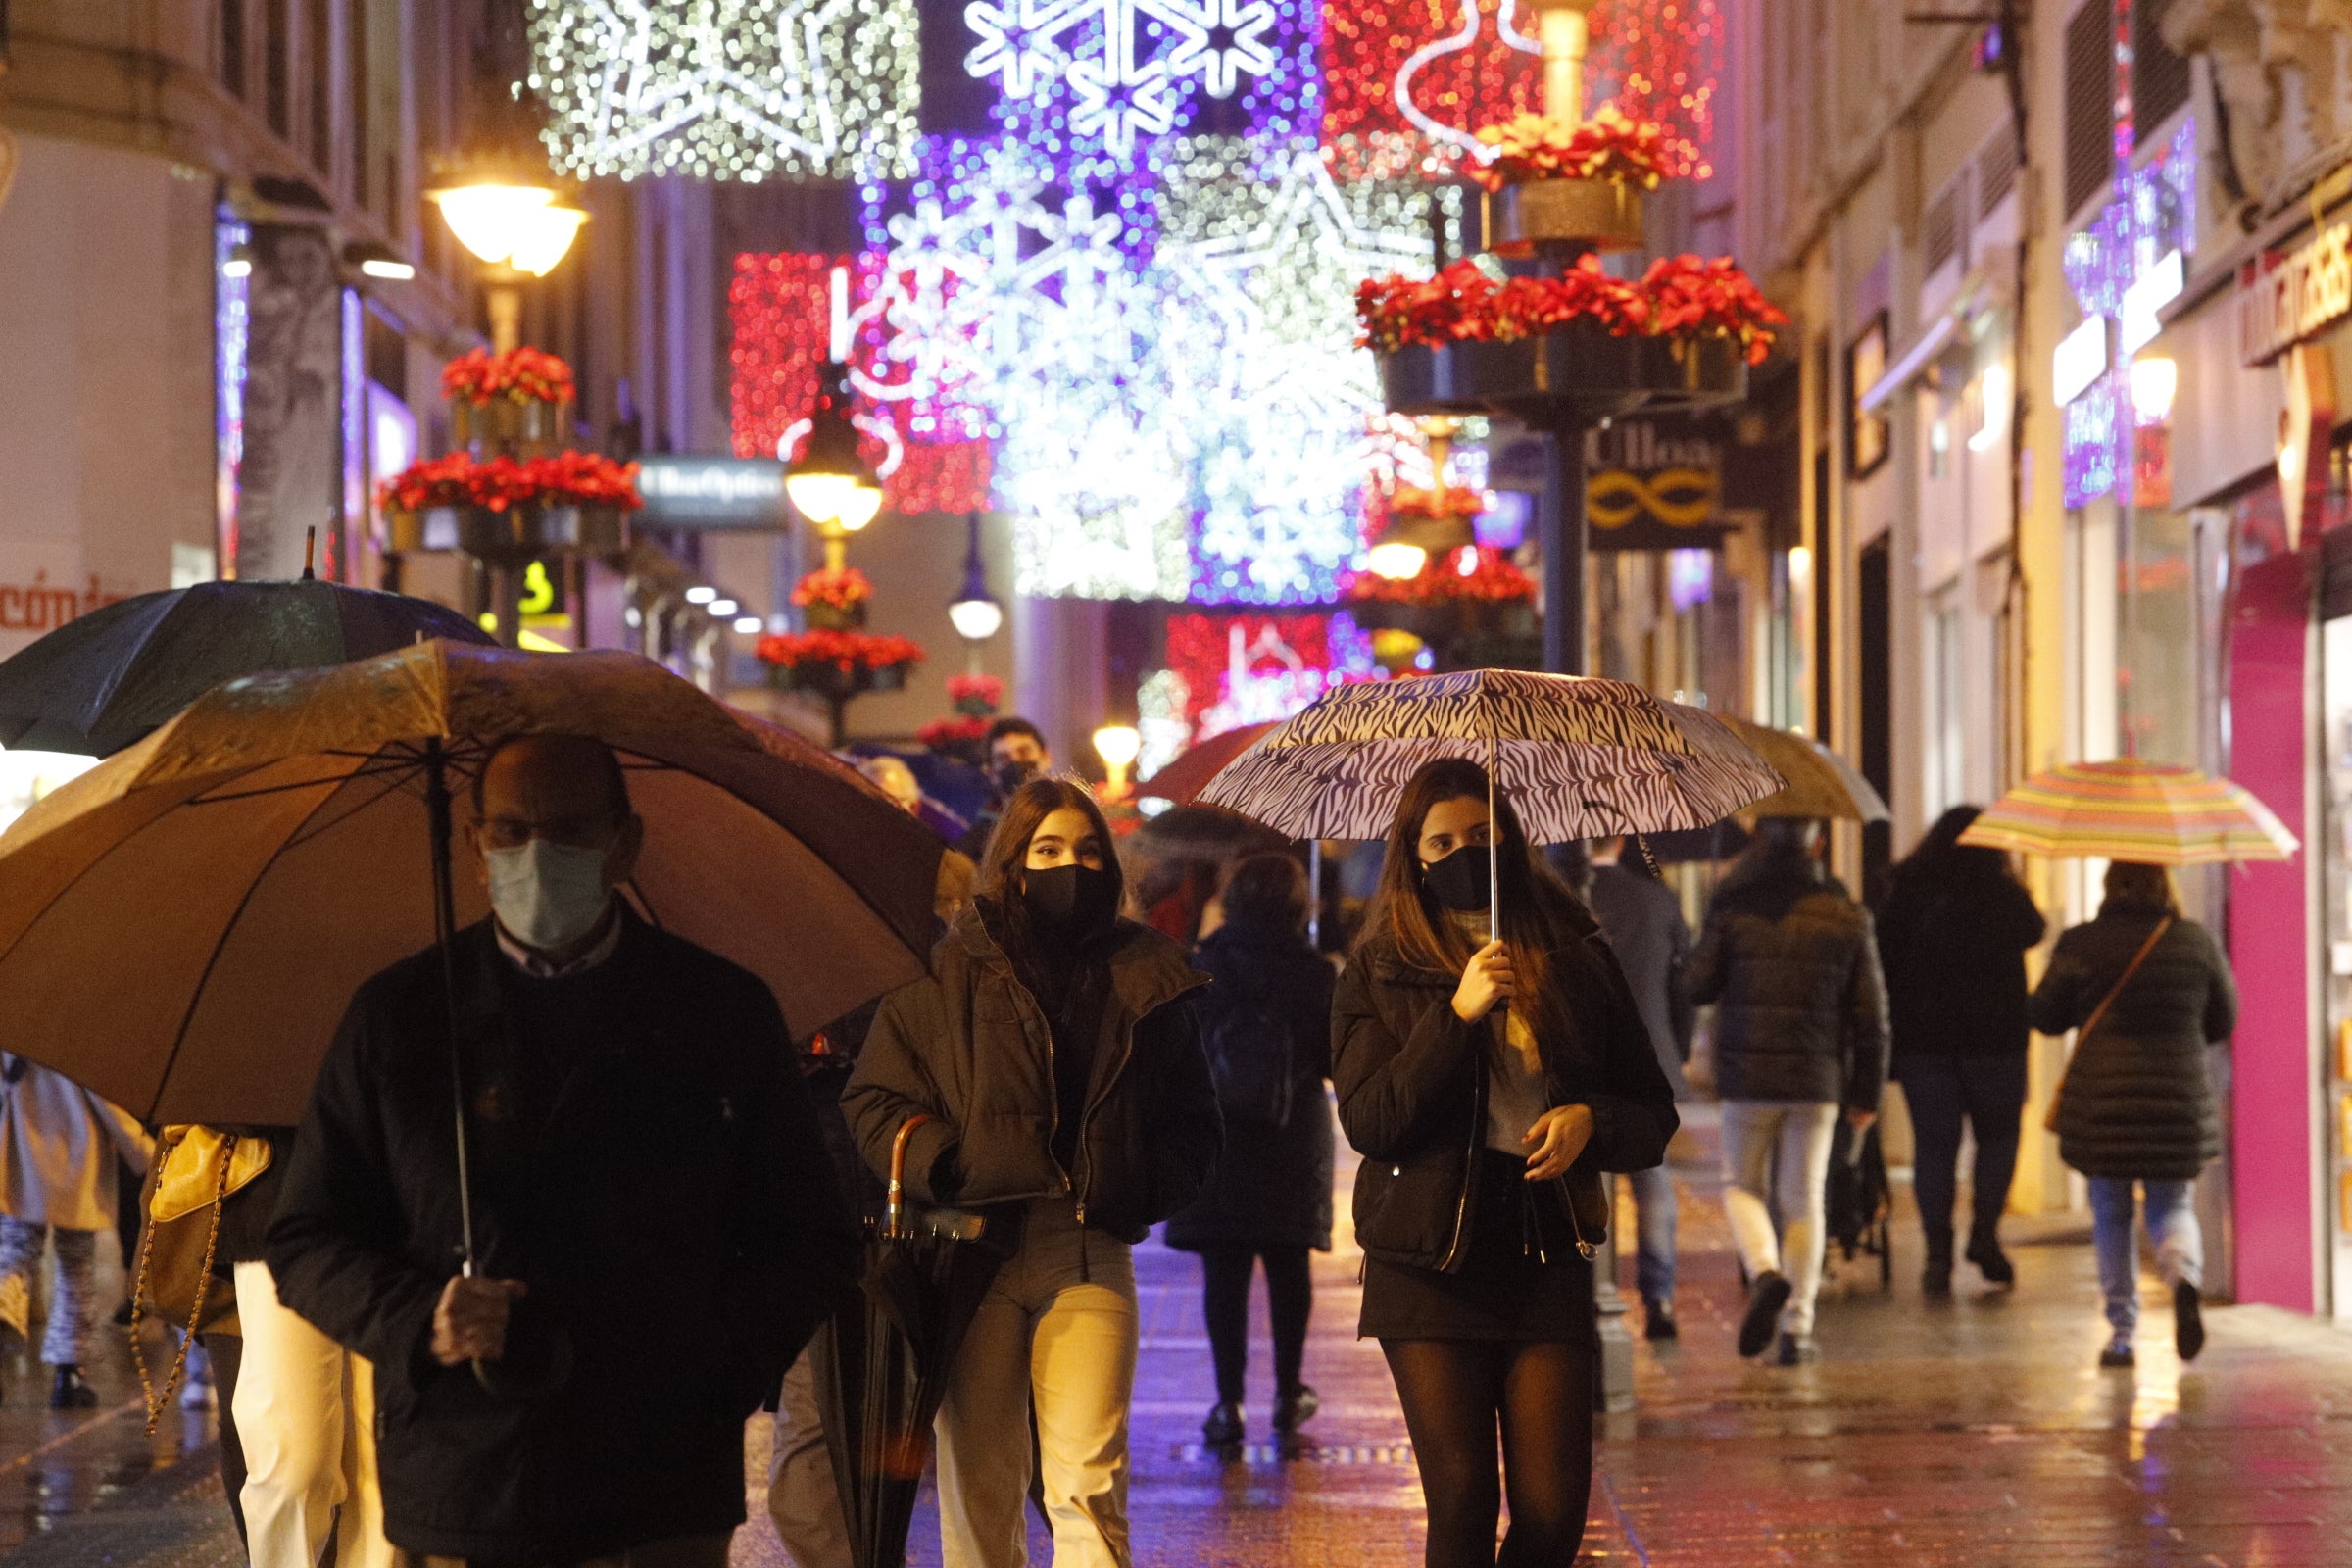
x=882 y=1365
x=99 y=683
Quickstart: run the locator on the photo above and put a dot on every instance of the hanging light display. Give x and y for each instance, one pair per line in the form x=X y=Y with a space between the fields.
x=728 y=89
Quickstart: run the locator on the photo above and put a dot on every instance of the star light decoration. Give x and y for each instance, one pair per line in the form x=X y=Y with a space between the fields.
x=728 y=89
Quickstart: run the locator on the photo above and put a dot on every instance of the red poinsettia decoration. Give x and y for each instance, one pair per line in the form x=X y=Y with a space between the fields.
x=1611 y=145
x=1492 y=576
x=843 y=590
x=849 y=652
x=975 y=697
x=1452 y=503
x=1679 y=297
x=944 y=734
x=559 y=480
x=523 y=374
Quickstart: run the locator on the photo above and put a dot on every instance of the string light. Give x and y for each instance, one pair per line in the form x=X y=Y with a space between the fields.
x=1228 y=668
x=728 y=89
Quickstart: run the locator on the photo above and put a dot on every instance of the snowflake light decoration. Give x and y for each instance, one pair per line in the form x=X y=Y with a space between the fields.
x=728 y=89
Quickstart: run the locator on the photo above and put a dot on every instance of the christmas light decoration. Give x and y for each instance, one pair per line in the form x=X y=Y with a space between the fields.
x=728 y=89
x=1227 y=669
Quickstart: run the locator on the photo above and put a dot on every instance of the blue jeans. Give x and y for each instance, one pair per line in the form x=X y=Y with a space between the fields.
x=1653 y=1256
x=2172 y=1224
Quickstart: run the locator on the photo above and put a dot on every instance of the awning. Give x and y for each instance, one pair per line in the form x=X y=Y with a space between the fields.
x=1916 y=358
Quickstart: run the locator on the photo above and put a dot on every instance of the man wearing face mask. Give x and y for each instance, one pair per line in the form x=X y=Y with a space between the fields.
x=1016 y=753
x=657 y=1227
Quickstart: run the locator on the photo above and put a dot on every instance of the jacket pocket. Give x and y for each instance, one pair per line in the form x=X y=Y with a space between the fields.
x=1407 y=1211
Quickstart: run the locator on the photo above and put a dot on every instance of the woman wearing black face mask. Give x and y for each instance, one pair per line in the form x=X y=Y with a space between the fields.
x=1074 y=1108
x=1487 y=1083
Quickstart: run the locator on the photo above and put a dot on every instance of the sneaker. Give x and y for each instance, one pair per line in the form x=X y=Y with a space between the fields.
x=1657 y=1320
x=1223 y=1428
x=1985 y=1250
x=68 y=1392
x=1296 y=1409
x=2189 y=1321
x=2119 y=1353
x=1764 y=1303
x=1797 y=1350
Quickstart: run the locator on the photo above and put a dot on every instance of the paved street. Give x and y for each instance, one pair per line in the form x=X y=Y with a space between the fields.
x=1976 y=1433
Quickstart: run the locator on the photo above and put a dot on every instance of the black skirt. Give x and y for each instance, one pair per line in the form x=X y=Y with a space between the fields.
x=1522 y=1282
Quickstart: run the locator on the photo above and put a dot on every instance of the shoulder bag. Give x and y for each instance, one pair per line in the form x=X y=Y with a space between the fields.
x=2098 y=1013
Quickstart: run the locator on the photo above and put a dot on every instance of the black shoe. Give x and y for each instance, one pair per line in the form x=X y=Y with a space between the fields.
x=1657 y=1320
x=1296 y=1409
x=70 y=1393
x=1985 y=1250
x=1797 y=1349
x=1936 y=1280
x=1223 y=1428
x=122 y=1318
x=2119 y=1354
x=2189 y=1321
x=1764 y=1303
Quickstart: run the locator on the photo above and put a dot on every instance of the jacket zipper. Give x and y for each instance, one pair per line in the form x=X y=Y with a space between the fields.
x=1086 y=1116
x=1036 y=1014
x=1478 y=1127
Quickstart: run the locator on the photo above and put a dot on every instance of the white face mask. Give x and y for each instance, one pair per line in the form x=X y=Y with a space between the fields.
x=548 y=895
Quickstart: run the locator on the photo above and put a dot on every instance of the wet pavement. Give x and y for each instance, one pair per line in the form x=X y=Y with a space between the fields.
x=1978 y=1432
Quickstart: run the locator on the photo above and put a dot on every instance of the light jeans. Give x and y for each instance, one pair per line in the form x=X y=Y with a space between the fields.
x=304 y=1409
x=71 y=1337
x=2171 y=1216
x=1056 y=1333
x=802 y=1496
x=1801 y=1131
x=1654 y=1213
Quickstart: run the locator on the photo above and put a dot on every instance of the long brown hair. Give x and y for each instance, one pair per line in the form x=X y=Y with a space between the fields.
x=1008 y=855
x=2138 y=883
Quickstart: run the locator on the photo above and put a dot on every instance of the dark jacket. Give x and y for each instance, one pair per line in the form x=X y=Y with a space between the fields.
x=2136 y=1101
x=1413 y=1088
x=970 y=1045
x=1644 y=921
x=649 y=1168
x=1954 y=945
x=1272 y=1185
x=1791 y=962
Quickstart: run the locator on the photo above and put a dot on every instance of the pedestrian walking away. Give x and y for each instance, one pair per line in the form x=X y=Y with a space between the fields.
x=1792 y=965
x=1643 y=919
x=1073 y=1110
x=657 y=1225
x=1953 y=934
x=1487 y=1083
x=2146 y=989
x=1265 y=1024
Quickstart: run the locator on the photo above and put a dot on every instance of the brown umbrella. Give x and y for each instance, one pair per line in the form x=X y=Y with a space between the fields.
x=182 y=927
x=1821 y=783
x=1190 y=772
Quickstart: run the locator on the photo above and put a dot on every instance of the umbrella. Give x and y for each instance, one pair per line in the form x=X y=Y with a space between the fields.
x=182 y=927
x=1821 y=783
x=1189 y=771
x=2129 y=810
x=1205 y=833
x=98 y=683
x=881 y=1365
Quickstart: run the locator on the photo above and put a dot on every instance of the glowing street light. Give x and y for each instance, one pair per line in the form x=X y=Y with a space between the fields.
x=1117 y=744
x=975 y=612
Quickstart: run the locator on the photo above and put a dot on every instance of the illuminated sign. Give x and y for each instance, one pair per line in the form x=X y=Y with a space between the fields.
x=2079 y=360
x=2136 y=321
x=694 y=492
x=1649 y=486
x=2284 y=298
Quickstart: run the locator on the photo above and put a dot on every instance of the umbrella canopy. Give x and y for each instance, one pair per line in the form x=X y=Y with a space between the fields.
x=98 y=683
x=182 y=927
x=1205 y=833
x=1581 y=757
x=1821 y=783
x=1190 y=772
x=2129 y=810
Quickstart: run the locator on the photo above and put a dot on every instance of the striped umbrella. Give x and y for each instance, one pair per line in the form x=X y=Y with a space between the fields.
x=2129 y=810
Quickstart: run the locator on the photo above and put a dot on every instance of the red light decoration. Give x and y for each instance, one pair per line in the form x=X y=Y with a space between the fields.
x=1275 y=666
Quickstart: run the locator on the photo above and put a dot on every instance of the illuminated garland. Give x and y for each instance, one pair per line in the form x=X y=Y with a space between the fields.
x=1230 y=669
x=728 y=89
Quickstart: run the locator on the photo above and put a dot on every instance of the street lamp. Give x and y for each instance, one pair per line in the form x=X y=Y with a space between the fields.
x=1117 y=745
x=830 y=483
x=975 y=612
x=517 y=229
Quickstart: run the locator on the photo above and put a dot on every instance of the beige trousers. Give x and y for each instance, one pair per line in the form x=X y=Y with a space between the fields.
x=306 y=1412
x=1056 y=1334
x=802 y=1496
x=679 y=1551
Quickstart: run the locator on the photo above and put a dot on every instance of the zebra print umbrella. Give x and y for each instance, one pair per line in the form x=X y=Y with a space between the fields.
x=1582 y=757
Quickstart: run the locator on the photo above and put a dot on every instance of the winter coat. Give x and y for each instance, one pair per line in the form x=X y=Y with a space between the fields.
x=1644 y=921
x=1272 y=1185
x=970 y=1045
x=2136 y=1101
x=60 y=1146
x=1413 y=1088
x=646 y=1161
x=1789 y=960
x=1954 y=948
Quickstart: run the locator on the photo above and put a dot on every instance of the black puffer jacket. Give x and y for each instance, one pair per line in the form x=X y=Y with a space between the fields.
x=1954 y=945
x=1412 y=1087
x=2136 y=1101
x=1272 y=1185
x=1793 y=966
x=970 y=1045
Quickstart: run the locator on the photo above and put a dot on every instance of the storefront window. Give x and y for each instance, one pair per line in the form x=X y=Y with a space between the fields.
x=2162 y=641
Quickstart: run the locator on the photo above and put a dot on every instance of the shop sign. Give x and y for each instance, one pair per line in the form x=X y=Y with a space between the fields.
x=2285 y=298
x=1650 y=485
x=714 y=493
x=2079 y=360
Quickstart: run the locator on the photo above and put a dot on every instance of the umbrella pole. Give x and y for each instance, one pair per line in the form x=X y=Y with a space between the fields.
x=445 y=924
x=1314 y=891
x=1494 y=852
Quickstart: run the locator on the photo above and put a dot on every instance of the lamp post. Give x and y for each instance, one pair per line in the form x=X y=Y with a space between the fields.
x=1117 y=744
x=516 y=226
x=830 y=483
x=975 y=612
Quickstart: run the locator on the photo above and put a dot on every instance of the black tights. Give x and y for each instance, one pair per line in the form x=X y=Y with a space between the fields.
x=1455 y=1393
x=1225 y=1302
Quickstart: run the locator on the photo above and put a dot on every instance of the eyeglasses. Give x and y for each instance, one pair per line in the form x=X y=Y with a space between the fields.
x=575 y=832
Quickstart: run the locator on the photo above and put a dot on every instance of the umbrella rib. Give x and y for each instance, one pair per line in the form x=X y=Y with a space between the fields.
x=267 y=789
x=311 y=829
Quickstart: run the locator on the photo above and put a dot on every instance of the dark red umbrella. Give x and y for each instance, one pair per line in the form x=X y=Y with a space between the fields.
x=1189 y=774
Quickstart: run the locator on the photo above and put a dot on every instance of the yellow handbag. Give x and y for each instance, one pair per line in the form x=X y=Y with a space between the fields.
x=194 y=1171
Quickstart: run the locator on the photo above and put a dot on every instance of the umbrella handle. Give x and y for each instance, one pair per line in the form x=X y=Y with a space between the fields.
x=897 y=1171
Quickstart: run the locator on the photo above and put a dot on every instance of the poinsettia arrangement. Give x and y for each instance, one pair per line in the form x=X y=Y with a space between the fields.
x=1492 y=577
x=1680 y=297
x=849 y=652
x=844 y=590
x=1450 y=503
x=1611 y=145
x=559 y=479
x=945 y=734
x=523 y=374
x=975 y=696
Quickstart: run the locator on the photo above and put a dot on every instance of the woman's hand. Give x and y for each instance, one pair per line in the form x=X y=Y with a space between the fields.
x=1558 y=1136
x=1486 y=981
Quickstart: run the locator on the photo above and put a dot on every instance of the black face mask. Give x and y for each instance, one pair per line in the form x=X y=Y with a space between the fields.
x=1012 y=775
x=1068 y=900
x=1461 y=880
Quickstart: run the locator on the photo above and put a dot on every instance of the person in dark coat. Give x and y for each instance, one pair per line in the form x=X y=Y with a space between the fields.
x=2136 y=1106
x=1800 y=1035
x=1487 y=1084
x=1070 y=1105
x=659 y=1230
x=1265 y=1021
x=1953 y=934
